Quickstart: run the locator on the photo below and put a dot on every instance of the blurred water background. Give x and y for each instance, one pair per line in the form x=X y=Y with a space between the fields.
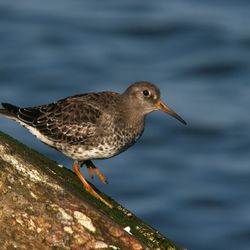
x=191 y=183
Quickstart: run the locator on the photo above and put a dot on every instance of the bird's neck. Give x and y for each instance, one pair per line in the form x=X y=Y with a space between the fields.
x=132 y=118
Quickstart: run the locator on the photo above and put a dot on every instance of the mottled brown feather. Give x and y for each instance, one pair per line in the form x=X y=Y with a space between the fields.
x=71 y=120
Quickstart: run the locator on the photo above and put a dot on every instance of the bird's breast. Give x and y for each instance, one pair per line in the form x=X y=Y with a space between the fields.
x=127 y=136
x=109 y=140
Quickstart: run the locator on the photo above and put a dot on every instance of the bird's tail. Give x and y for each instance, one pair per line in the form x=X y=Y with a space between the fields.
x=9 y=110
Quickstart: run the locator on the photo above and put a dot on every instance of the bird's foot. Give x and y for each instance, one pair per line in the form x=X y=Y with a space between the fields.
x=96 y=195
x=101 y=176
x=88 y=188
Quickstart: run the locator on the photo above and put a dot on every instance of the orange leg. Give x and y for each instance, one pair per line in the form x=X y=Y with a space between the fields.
x=90 y=171
x=90 y=165
x=91 y=175
x=88 y=188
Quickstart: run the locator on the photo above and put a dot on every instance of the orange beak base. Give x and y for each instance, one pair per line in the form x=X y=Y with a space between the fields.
x=164 y=108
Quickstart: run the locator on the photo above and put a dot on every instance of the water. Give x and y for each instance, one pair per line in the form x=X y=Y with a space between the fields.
x=191 y=183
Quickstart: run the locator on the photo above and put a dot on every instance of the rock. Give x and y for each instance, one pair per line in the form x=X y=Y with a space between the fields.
x=44 y=206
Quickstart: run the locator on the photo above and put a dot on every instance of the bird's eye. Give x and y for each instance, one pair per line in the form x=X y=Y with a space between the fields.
x=146 y=92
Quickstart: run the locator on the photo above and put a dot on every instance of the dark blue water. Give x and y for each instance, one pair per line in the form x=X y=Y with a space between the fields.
x=192 y=183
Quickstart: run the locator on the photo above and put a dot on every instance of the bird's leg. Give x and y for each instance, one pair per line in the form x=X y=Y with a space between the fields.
x=88 y=188
x=88 y=168
x=90 y=165
x=90 y=172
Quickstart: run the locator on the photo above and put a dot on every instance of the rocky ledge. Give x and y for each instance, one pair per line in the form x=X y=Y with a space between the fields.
x=44 y=206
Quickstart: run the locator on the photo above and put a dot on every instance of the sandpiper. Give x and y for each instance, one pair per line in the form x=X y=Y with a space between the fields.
x=92 y=126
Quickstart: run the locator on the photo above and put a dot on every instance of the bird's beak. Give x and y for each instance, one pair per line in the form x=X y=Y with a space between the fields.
x=164 y=108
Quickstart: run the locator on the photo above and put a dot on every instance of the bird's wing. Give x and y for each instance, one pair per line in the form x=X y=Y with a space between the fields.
x=68 y=120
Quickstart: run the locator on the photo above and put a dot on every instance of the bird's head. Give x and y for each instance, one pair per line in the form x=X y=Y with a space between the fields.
x=145 y=97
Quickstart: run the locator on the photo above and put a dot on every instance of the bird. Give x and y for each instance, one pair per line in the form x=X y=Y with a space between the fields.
x=91 y=126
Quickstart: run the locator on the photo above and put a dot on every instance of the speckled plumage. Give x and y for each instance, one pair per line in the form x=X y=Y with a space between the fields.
x=88 y=126
x=94 y=125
